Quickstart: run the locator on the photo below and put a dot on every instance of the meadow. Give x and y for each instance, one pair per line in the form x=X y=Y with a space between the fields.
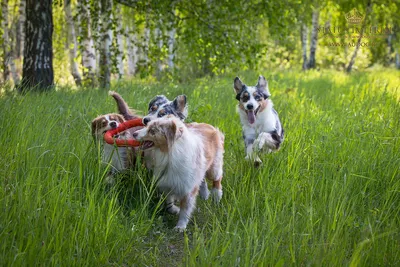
x=329 y=197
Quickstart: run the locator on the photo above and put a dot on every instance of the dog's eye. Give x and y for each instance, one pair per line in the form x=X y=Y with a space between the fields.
x=152 y=132
x=154 y=108
x=257 y=98
x=161 y=113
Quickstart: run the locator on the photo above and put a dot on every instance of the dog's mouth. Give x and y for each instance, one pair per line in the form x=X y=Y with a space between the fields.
x=146 y=145
x=251 y=114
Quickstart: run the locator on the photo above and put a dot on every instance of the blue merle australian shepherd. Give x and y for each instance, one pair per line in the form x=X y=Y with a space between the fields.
x=262 y=129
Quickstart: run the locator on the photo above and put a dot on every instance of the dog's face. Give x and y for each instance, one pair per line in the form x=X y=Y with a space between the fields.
x=160 y=106
x=160 y=133
x=103 y=123
x=252 y=99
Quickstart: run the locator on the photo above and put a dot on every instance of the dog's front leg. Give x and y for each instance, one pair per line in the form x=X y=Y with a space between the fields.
x=249 y=136
x=170 y=206
x=187 y=205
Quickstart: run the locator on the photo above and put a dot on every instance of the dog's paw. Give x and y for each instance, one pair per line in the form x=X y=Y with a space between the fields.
x=257 y=162
x=204 y=194
x=216 y=194
x=180 y=228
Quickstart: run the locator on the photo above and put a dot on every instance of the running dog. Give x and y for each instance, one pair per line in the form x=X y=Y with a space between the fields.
x=262 y=129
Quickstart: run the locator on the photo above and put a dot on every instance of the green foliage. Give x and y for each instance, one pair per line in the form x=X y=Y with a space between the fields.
x=328 y=197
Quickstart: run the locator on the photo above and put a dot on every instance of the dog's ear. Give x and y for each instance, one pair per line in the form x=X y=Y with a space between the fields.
x=172 y=132
x=180 y=105
x=237 y=85
x=262 y=85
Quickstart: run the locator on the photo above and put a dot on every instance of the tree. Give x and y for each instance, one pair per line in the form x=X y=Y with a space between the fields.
x=72 y=43
x=37 y=71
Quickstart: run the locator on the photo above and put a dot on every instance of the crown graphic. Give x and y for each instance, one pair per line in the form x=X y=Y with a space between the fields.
x=354 y=17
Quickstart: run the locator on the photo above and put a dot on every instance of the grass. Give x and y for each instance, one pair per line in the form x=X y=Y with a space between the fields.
x=329 y=197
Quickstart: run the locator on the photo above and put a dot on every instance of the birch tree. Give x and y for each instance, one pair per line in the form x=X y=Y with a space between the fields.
x=106 y=41
x=314 y=39
x=131 y=41
x=20 y=38
x=72 y=43
x=304 y=42
x=5 y=46
x=86 y=44
x=37 y=71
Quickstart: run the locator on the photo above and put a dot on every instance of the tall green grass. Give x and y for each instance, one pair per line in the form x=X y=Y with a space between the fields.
x=330 y=196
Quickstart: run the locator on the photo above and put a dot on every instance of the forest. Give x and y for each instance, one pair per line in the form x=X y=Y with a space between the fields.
x=328 y=197
x=90 y=43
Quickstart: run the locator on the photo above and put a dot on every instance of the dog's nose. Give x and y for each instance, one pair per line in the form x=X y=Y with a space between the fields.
x=113 y=124
x=250 y=106
x=146 y=120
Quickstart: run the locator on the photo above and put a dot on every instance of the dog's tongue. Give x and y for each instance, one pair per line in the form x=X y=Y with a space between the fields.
x=251 y=116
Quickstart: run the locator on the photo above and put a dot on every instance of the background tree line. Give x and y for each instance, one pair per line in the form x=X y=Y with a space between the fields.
x=91 y=42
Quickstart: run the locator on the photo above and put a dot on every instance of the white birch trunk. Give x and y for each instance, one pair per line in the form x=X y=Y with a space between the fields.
x=120 y=45
x=159 y=38
x=304 y=41
x=72 y=43
x=87 y=45
x=314 y=39
x=20 y=40
x=6 y=50
x=397 y=60
x=106 y=41
x=146 y=44
x=132 y=52
x=171 y=47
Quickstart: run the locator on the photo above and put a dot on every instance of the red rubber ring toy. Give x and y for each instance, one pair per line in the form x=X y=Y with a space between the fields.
x=109 y=135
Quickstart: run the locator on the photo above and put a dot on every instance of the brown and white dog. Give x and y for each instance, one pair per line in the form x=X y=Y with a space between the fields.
x=119 y=158
x=184 y=154
x=262 y=129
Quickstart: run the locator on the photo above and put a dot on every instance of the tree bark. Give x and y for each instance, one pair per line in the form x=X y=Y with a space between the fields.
x=72 y=43
x=120 y=44
x=171 y=48
x=37 y=71
x=349 y=67
x=314 y=39
x=106 y=40
x=304 y=37
x=132 y=51
x=20 y=38
x=160 y=43
x=87 y=45
x=397 y=60
x=6 y=48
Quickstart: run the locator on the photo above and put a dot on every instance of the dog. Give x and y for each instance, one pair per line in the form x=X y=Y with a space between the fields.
x=119 y=158
x=184 y=154
x=159 y=106
x=262 y=129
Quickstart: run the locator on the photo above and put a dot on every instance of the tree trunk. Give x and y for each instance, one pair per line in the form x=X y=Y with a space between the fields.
x=132 y=52
x=314 y=39
x=160 y=43
x=304 y=37
x=106 y=40
x=171 y=47
x=353 y=57
x=6 y=47
x=20 y=39
x=120 y=44
x=12 y=53
x=37 y=72
x=397 y=60
x=72 y=44
x=146 y=44
x=87 y=45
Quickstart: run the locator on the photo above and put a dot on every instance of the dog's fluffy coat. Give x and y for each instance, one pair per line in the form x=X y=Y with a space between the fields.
x=262 y=129
x=183 y=156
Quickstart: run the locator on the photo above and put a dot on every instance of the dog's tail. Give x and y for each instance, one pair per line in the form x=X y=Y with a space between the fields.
x=123 y=107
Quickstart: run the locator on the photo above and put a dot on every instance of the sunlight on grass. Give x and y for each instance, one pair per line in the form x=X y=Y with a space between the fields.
x=329 y=197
